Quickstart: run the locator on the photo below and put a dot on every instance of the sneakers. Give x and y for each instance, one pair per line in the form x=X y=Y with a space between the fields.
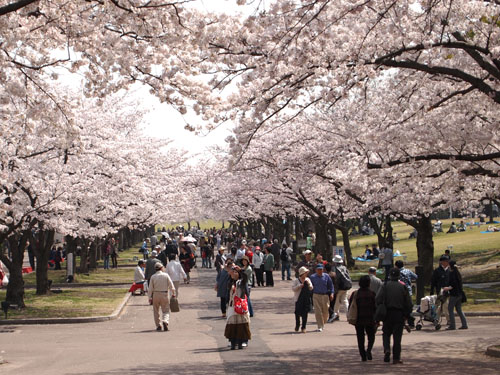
x=244 y=344
x=165 y=326
x=158 y=328
x=320 y=329
x=337 y=317
x=330 y=320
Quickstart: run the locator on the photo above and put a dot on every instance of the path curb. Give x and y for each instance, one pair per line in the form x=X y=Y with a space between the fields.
x=90 y=319
x=493 y=351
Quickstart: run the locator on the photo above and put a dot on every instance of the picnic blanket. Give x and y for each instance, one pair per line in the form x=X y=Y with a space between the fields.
x=369 y=260
x=488 y=231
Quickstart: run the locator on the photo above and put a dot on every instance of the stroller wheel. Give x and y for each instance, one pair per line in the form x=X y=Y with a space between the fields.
x=418 y=327
x=438 y=327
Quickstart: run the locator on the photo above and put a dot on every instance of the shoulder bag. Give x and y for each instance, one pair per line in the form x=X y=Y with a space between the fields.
x=352 y=313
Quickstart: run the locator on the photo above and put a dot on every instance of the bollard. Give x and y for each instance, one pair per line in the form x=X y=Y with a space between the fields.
x=419 y=270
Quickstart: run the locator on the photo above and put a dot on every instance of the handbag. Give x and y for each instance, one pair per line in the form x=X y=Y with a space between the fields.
x=174 y=304
x=464 y=297
x=240 y=305
x=352 y=313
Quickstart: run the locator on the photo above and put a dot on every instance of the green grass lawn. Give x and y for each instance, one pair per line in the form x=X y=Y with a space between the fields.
x=70 y=303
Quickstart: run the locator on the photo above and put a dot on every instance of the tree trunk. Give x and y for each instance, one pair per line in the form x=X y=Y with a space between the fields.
x=84 y=267
x=347 y=246
x=71 y=244
x=388 y=237
x=322 y=238
x=425 y=247
x=45 y=240
x=93 y=254
x=15 y=288
x=333 y=233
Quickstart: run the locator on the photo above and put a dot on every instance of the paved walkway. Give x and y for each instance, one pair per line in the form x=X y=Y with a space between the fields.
x=195 y=343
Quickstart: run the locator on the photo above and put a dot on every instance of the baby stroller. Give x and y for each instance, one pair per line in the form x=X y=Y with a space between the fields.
x=427 y=311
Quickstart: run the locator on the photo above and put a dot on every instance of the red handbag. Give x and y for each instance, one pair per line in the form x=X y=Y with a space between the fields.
x=240 y=305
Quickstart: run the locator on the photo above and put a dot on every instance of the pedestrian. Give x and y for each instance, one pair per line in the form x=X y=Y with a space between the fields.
x=176 y=272
x=258 y=263
x=114 y=253
x=322 y=295
x=237 y=329
x=439 y=280
x=275 y=250
x=306 y=262
x=150 y=265
x=365 y=319
x=406 y=276
x=139 y=277
x=456 y=291
x=106 y=251
x=286 y=260
x=398 y=305
x=220 y=259
x=386 y=257
x=302 y=288
x=186 y=261
x=160 y=285
x=222 y=286
x=343 y=283
x=268 y=267
x=249 y=273
x=375 y=282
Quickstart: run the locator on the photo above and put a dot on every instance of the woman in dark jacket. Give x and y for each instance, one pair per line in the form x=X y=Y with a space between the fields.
x=456 y=291
x=365 y=322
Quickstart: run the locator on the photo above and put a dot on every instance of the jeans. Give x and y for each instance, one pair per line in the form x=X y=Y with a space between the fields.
x=360 y=334
x=285 y=266
x=203 y=262
x=456 y=302
x=269 y=278
x=250 y=307
x=393 y=326
x=106 y=262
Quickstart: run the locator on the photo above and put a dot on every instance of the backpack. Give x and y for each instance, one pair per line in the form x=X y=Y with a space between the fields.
x=344 y=279
x=284 y=255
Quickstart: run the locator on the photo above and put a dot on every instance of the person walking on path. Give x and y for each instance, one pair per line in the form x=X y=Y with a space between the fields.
x=365 y=320
x=176 y=272
x=386 y=257
x=269 y=266
x=456 y=291
x=406 y=276
x=286 y=261
x=159 y=287
x=220 y=259
x=249 y=277
x=150 y=265
x=237 y=329
x=306 y=262
x=302 y=288
x=342 y=284
x=258 y=263
x=439 y=280
x=322 y=295
x=375 y=282
x=186 y=257
x=222 y=286
x=114 y=253
x=398 y=304
x=106 y=250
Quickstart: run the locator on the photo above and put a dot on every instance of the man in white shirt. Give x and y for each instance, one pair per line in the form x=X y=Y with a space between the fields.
x=159 y=286
x=240 y=253
x=258 y=262
x=175 y=271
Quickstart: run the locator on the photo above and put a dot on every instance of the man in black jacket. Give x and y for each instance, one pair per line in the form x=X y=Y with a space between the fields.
x=398 y=303
x=441 y=279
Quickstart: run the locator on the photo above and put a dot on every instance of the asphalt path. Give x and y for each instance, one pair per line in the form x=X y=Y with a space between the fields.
x=195 y=343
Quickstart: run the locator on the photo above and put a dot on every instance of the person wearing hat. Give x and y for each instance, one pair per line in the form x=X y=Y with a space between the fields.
x=456 y=291
x=160 y=285
x=306 y=262
x=302 y=288
x=399 y=307
x=343 y=283
x=439 y=280
x=322 y=295
x=150 y=265
x=258 y=265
